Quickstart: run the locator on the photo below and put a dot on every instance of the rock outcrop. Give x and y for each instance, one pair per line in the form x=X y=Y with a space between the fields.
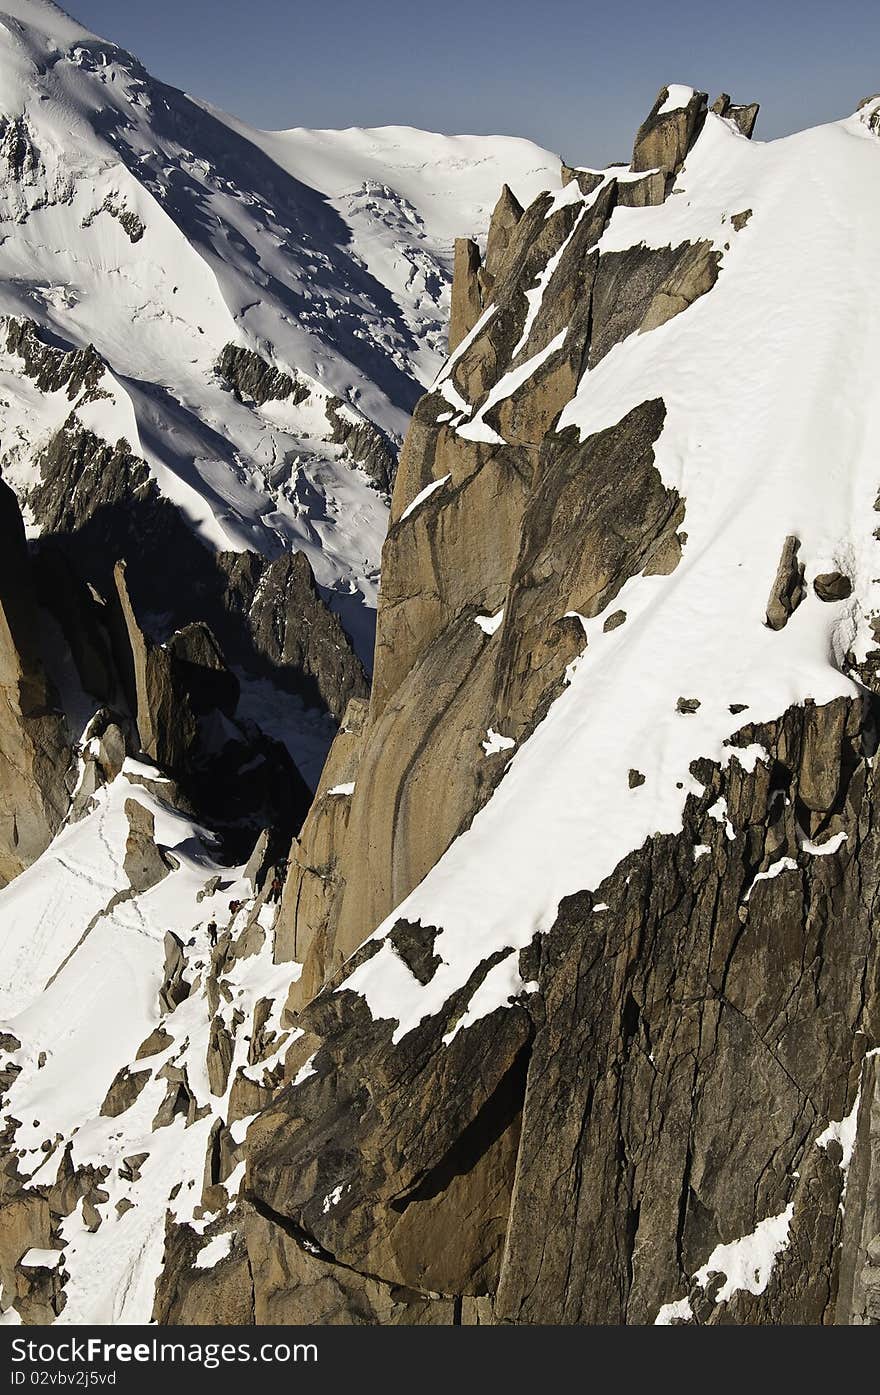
x=466 y=297
x=34 y=743
x=670 y=129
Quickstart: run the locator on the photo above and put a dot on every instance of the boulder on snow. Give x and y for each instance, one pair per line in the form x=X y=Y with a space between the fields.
x=123 y=1092
x=743 y=117
x=175 y=988
x=788 y=589
x=832 y=586
x=145 y=864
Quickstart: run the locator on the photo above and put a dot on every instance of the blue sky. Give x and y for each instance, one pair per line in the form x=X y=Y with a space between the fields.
x=576 y=77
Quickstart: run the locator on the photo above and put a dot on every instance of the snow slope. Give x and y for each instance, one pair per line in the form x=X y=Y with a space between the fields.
x=82 y=969
x=159 y=230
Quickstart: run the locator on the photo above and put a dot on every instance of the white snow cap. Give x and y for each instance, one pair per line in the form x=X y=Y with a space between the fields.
x=677 y=97
x=41 y=1259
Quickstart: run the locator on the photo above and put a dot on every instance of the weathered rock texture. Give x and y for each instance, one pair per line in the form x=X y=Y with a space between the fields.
x=34 y=745
x=535 y=524
x=664 y=1088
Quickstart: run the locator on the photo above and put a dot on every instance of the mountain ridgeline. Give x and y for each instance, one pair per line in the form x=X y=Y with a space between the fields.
x=558 y=1000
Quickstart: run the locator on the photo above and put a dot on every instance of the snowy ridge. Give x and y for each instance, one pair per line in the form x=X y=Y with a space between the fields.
x=772 y=428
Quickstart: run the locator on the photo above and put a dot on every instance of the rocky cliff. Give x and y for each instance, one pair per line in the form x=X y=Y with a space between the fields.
x=33 y=739
x=568 y=1012
x=609 y=1055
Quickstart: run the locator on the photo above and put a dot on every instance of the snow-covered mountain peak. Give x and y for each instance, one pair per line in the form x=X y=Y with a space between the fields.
x=54 y=26
x=160 y=231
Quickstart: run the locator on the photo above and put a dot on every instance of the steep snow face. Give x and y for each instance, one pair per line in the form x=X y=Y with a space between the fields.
x=160 y=231
x=772 y=429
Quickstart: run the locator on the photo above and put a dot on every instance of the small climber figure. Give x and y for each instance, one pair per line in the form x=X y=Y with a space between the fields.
x=212 y=933
x=234 y=908
x=275 y=889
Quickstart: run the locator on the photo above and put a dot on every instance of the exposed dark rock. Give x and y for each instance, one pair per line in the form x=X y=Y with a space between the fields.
x=578 y=546
x=788 y=588
x=364 y=443
x=614 y=621
x=653 y=1028
x=179 y=1100
x=687 y=705
x=636 y=778
x=505 y=217
x=219 y=1057
x=641 y=288
x=122 y=1094
x=873 y=119
x=52 y=367
x=832 y=586
x=291 y=629
x=252 y=379
x=145 y=864
x=98 y=504
x=83 y=618
x=167 y=722
x=743 y=117
x=418 y=1196
x=587 y=180
x=671 y=1075
x=34 y=744
x=158 y=1040
x=185 y=698
x=257 y=863
x=175 y=988
x=647 y=192
x=414 y=944
x=132 y=225
x=479 y=544
x=858 y=1295
x=18 y=150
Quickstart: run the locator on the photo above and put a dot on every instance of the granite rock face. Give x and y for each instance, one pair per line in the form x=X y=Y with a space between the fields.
x=507 y=526
x=689 y=1037
x=34 y=742
x=664 y=139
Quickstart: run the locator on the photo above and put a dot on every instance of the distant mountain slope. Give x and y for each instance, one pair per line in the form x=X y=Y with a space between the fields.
x=136 y=220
